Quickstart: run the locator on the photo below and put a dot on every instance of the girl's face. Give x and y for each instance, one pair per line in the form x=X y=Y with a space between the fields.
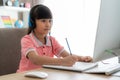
x=43 y=26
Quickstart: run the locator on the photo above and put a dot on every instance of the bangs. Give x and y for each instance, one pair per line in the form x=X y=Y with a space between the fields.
x=43 y=13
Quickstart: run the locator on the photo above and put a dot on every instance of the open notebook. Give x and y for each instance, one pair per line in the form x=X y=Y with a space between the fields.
x=88 y=68
x=78 y=66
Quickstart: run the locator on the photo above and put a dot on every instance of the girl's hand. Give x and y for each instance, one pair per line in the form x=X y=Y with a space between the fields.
x=69 y=60
x=82 y=58
x=85 y=58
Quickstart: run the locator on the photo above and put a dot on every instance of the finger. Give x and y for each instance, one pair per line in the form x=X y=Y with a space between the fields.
x=75 y=58
x=88 y=58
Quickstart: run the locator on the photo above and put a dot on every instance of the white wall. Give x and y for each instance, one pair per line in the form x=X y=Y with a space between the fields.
x=77 y=20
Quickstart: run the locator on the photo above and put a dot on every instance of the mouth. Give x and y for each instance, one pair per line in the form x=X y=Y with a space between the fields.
x=46 y=29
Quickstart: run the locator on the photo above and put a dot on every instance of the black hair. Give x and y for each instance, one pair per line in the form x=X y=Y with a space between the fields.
x=38 y=12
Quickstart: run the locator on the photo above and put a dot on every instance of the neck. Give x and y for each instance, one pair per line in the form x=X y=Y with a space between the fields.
x=40 y=37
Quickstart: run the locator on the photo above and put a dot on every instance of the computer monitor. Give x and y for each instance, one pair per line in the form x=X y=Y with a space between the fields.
x=107 y=43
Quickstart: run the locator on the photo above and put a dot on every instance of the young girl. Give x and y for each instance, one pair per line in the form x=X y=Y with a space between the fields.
x=38 y=48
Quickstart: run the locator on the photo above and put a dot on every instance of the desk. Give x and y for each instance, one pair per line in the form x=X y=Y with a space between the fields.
x=59 y=75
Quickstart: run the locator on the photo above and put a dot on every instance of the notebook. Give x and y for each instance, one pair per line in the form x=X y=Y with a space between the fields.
x=78 y=66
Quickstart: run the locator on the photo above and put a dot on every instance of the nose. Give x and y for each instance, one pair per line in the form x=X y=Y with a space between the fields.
x=48 y=24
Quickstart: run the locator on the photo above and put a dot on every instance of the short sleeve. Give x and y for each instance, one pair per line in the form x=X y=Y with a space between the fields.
x=27 y=45
x=57 y=48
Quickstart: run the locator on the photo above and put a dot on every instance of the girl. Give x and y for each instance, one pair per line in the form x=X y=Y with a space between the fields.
x=38 y=48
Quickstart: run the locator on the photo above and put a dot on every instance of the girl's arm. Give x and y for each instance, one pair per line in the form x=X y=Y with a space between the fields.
x=46 y=60
x=79 y=58
x=66 y=60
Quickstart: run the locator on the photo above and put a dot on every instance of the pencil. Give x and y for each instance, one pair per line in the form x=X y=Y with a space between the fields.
x=68 y=46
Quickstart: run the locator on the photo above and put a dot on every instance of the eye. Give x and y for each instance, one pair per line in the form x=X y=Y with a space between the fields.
x=50 y=20
x=43 y=20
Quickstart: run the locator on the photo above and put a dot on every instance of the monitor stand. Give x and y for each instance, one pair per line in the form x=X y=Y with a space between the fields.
x=115 y=52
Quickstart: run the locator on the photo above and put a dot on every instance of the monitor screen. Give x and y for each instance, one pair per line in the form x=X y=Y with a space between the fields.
x=107 y=43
